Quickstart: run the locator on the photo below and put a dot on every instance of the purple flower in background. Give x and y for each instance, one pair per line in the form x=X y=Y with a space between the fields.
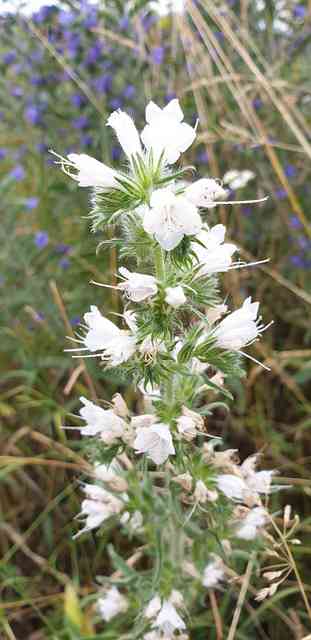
x=41 y=147
x=17 y=92
x=9 y=57
x=94 y=53
x=257 y=103
x=304 y=243
x=148 y=21
x=37 y=55
x=75 y=320
x=129 y=92
x=86 y=140
x=116 y=153
x=33 y=115
x=300 y=11
x=43 y=13
x=290 y=170
x=297 y=261
x=157 y=55
x=66 y=18
x=247 y=211
x=116 y=103
x=37 y=81
x=64 y=263
x=78 y=100
x=103 y=84
x=295 y=222
x=90 y=19
x=169 y=96
x=124 y=23
x=31 y=203
x=203 y=157
x=3 y=153
x=41 y=239
x=63 y=249
x=18 y=173
x=82 y=122
x=280 y=194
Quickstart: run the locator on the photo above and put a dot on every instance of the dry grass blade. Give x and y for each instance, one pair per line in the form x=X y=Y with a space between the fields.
x=241 y=598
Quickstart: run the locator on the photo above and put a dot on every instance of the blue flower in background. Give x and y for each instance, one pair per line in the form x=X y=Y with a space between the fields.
x=129 y=92
x=82 y=122
x=124 y=23
x=3 y=153
x=86 y=140
x=257 y=103
x=90 y=19
x=297 y=261
x=203 y=157
x=157 y=55
x=17 y=92
x=41 y=147
x=75 y=320
x=116 y=103
x=280 y=194
x=300 y=11
x=94 y=53
x=62 y=248
x=116 y=153
x=33 y=115
x=64 y=263
x=103 y=84
x=31 y=203
x=78 y=100
x=9 y=57
x=290 y=170
x=41 y=239
x=66 y=18
x=43 y=13
x=18 y=173
x=294 y=222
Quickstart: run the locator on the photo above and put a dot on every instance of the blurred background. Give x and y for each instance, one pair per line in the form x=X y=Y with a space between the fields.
x=243 y=68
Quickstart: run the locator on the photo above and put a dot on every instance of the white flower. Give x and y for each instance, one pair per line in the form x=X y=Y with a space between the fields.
x=110 y=474
x=240 y=328
x=112 y=604
x=213 y=573
x=126 y=132
x=201 y=492
x=116 y=345
x=174 y=296
x=133 y=522
x=237 y=179
x=137 y=286
x=204 y=192
x=145 y=420
x=246 y=484
x=215 y=255
x=156 y=441
x=189 y=423
x=98 y=507
x=255 y=519
x=101 y=422
x=216 y=312
x=170 y=218
x=165 y=132
x=149 y=347
x=90 y=172
x=232 y=486
x=168 y=620
x=153 y=607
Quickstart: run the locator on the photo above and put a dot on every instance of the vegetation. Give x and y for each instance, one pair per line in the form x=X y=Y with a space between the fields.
x=244 y=70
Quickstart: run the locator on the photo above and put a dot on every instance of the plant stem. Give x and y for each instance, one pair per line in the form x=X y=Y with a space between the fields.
x=159 y=263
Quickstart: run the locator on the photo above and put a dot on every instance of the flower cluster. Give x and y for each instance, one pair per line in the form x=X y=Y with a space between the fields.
x=157 y=471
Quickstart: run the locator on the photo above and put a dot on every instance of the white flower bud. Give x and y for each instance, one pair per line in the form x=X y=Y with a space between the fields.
x=174 y=296
x=126 y=132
